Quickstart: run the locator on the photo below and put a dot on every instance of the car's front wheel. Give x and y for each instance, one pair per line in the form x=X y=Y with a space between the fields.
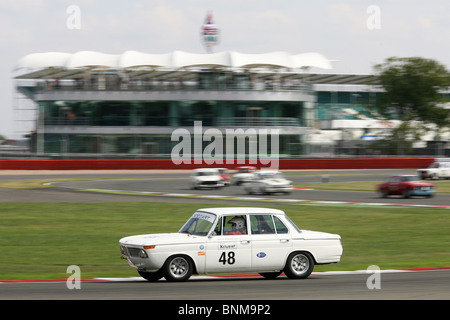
x=151 y=276
x=299 y=265
x=270 y=275
x=177 y=268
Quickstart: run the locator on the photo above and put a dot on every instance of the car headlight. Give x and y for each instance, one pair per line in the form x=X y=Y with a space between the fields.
x=142 y=254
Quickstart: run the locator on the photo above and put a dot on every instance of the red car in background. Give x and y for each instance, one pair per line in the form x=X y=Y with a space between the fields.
x=225 y=176
x=406 y=186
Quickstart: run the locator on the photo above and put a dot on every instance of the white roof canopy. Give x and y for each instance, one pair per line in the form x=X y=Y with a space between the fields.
x=175 y=60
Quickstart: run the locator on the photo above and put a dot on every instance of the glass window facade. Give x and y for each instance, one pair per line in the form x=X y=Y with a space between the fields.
x=66 y=124
x=172 y=113
x=332 y=104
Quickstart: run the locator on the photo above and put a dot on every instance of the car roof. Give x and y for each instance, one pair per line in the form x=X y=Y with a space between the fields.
x=241 y=210
x=268 y=172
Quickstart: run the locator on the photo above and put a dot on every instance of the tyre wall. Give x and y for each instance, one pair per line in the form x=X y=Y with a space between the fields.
x=167 y=164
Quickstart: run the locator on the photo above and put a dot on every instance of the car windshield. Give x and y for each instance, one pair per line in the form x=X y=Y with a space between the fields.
x=206 y=173
x=276 y=175
x=411 y=178
x=199 y=224
x=434 y=165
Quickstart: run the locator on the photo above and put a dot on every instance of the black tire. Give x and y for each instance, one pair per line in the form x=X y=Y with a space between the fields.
x=270 y=275
x=299 y=265
x=151 y=276
x=406 y=193
x=178 y=268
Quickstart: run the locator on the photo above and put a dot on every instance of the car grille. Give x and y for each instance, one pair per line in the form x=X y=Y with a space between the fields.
x=130 y=251
x=209 y=183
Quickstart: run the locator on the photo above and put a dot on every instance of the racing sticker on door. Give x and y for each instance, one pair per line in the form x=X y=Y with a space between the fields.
x=227 y=246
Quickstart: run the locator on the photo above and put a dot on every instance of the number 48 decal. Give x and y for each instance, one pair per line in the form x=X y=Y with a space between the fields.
x=227 y=258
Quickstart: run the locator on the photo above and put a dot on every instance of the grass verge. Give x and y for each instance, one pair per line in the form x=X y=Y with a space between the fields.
x=40 y=240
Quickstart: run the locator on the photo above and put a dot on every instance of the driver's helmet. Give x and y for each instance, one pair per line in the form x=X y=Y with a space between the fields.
x=237 y=223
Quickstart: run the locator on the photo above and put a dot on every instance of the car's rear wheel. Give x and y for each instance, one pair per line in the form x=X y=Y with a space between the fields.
x=177 y=268
x=151 y=276
x=299 y=265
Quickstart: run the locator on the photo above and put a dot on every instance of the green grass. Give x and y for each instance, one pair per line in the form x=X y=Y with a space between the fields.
x=40 y=240
x=34 y=183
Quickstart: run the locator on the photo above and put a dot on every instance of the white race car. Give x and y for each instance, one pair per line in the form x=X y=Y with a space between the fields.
x=206 y=178
x=228 y=240
x=436 y=170
x=268 y=182
x=243 y=174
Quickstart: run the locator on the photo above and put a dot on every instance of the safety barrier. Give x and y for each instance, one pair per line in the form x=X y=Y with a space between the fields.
x=167 y=164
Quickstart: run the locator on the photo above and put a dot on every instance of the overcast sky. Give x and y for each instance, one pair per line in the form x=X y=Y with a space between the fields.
x=356 y=33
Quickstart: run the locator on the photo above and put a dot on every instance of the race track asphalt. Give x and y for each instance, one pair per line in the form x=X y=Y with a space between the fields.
x=414 y=285
x=178 y=182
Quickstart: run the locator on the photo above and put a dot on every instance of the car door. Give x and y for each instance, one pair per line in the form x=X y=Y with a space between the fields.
x=403 y=185
x=253 y=185
x=271 y=242
x=394 y=185
x=446 y=170
x=227 y=250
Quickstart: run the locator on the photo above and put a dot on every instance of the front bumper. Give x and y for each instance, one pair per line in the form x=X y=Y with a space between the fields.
x=209 y=184
x=422 y=191
x=141 y=259
x=275 y=189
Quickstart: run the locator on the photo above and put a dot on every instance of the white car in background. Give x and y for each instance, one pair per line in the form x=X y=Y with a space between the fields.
x=228 y=240
x=436 y=170
x=268 y=182
x=206 y=178
x=243 y=174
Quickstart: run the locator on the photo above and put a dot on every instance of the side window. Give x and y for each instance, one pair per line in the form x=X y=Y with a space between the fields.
x=234 y=225
x=262 y=224
x=281 y=228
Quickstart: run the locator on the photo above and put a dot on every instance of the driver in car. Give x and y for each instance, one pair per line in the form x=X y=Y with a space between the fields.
x=237 y=226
